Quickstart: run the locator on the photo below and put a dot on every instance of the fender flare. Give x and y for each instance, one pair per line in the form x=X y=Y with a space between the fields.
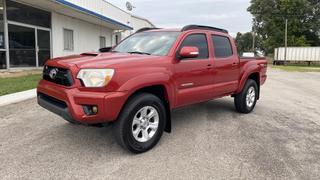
x=245 y=77
x=147 y=80
x=153 y=79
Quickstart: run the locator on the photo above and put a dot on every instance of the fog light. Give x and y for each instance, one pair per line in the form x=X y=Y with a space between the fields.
x=90 y=110
x=95 y=109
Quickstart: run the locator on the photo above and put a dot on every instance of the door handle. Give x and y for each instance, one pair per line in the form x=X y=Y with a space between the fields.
x=209 y=66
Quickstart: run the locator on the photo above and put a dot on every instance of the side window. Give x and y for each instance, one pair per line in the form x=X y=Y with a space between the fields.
x=222 y=46
x=199 y=41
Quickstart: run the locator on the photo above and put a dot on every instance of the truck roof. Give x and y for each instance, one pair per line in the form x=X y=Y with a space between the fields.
x=186 y=28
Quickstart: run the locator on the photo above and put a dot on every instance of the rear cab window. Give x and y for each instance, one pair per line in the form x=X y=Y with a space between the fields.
x=222 y=46
x=199 y=41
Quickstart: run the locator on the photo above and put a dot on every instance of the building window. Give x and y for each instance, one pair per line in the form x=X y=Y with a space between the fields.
x=68 y=39
x=2 y=38
x=102 y=42
x=3 y=60
x=22 y=46
x=27 y=14
x=3 y=63
x=117 y=39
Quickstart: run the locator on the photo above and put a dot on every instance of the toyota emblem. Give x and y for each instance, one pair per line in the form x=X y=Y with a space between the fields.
x=53 y=73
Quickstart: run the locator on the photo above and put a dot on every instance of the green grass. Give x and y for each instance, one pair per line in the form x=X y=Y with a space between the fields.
x=17 y=84
x=298 y=68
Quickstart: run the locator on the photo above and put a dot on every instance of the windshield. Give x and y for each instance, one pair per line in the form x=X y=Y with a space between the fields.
x=150 y=43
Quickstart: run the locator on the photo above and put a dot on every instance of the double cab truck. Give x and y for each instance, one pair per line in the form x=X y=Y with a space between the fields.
x=136 y=85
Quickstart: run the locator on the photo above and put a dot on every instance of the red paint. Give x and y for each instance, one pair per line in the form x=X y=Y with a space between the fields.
x=185 y=81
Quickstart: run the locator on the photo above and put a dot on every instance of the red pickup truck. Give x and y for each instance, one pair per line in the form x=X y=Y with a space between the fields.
x=139 y=82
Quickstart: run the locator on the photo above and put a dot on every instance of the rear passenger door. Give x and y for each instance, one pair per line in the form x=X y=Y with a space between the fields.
x=193 y=76
x=226 y=65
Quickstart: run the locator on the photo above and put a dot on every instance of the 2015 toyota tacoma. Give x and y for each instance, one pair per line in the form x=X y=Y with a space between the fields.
x=139 y=82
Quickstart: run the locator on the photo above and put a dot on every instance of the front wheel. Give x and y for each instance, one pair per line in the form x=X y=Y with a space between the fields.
x=141 y=123
x=246 y=100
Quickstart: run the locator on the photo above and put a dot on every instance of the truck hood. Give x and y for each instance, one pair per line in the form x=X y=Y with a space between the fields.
x=104 y=60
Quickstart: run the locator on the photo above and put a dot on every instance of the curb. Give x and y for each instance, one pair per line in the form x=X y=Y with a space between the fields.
x=17 y=97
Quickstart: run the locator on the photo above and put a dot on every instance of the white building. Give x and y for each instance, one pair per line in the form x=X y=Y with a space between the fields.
x=32 y=31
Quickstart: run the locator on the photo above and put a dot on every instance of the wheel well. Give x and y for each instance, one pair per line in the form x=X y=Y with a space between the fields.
x=161 y=92
x=256 y=78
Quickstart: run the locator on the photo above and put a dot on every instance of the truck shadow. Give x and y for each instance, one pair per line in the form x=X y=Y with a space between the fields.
x=203 y=112
x=101 y=140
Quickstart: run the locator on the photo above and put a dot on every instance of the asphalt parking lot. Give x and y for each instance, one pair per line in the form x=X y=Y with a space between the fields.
x=279 y=140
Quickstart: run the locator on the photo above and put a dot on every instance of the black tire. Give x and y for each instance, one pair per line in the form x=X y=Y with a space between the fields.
x=240 y=99
x=123 y=127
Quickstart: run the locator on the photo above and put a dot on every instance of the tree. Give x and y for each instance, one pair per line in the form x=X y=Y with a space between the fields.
x=244 y=42
x=303 y=22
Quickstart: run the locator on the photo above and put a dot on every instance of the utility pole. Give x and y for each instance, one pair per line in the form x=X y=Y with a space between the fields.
x=253 y=41
x=253 y=37
x=286 y=42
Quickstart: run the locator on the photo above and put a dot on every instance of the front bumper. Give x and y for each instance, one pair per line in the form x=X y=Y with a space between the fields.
x=55 y=106
x=69 y=102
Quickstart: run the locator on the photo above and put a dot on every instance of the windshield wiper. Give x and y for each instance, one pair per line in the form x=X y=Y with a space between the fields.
x=138 y=52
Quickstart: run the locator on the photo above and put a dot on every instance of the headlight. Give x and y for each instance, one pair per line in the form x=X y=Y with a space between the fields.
x=95 y=77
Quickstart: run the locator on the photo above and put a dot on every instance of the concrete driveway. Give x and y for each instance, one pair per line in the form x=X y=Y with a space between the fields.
x=279 y=140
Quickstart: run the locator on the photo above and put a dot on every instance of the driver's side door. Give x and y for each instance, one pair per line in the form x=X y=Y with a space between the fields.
x=193 y=76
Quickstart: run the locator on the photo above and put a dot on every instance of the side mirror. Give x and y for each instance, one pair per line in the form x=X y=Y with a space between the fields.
x=106 y=49
x=189 y=52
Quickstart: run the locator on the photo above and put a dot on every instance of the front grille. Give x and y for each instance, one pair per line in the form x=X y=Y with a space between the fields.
x=58 y=75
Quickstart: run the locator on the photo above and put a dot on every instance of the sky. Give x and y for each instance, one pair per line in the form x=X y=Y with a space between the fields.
x=228 y=14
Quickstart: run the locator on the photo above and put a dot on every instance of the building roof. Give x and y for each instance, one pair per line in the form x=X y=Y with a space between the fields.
x=99 y=12
x=144 y=19
x=90 y=12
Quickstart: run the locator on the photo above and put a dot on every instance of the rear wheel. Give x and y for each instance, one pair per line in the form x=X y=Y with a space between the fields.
x=141 y=123
x=246 y=100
